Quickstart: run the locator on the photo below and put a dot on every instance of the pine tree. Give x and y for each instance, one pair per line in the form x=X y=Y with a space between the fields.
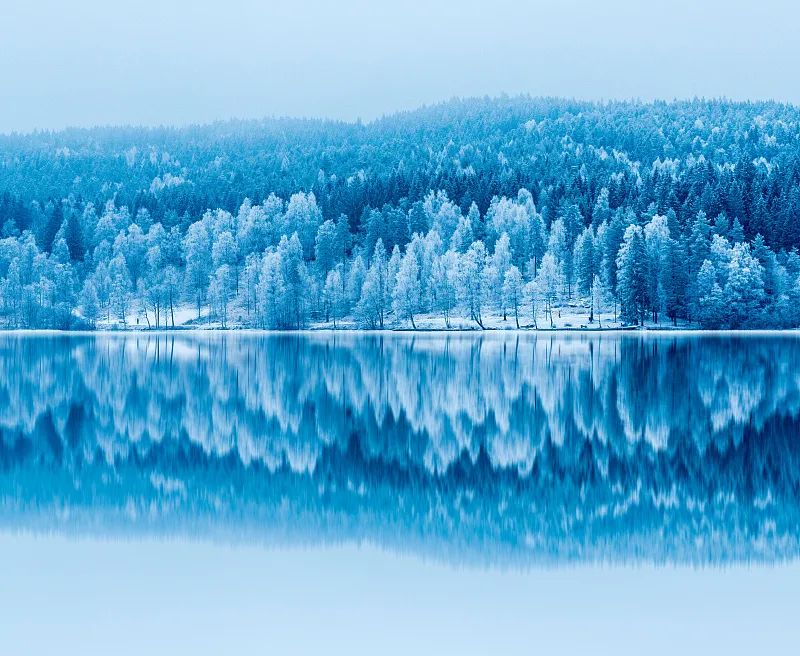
x=585 y=260
x=632 y=276
x=710 y=297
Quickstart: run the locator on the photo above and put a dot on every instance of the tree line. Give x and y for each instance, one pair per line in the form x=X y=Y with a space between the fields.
x=508 y=208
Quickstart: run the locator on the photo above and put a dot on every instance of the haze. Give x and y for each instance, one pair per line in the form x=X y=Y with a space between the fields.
x=152 y=62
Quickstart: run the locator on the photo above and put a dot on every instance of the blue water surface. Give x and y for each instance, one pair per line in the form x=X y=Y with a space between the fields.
x=461 y=490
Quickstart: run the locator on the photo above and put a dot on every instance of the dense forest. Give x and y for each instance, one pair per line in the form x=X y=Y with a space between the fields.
x=484 y=212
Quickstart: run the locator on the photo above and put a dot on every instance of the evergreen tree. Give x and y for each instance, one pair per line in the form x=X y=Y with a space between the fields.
x=711 y=303
x=585 y=260
x=632 y=276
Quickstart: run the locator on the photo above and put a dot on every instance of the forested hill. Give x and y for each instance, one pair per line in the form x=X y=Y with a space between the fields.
x=470 y=171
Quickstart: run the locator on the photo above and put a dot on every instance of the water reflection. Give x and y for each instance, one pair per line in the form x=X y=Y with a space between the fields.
x=496 y=449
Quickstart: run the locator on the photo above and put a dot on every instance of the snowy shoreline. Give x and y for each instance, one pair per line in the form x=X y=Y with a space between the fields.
x=566 y=320
x=349 y=331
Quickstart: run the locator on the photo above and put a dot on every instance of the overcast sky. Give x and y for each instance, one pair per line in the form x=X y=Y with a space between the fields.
x=92 y=62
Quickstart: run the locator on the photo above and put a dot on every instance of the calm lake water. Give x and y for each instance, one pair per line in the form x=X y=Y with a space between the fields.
x=456 y=471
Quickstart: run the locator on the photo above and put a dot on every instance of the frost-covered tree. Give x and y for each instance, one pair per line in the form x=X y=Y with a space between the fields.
x=271 y=291
x=612 y=237
x=675 y=280
x=657 y=244
x=549 y=283
x=224 y=252
x=443 y=215
x=120 y=288
x=13 y=294
x=513 y=291
x=371 y=307
x=572 y=223
x=632 y=276
x=699 y=249
x=601 y=213
x=407 y=291
x=171 y=286
x=335 y=300
x=585 y=260
x=392 y=269
x=221 y=291
x=500 y=262
x=462 y=236
x=296 y=281
x=472 y=283
x=532 y=295
x=303 y=217
x=744 y=288
x=711 y=302
x=597 y=300
x=197 y=248
x=355 y=280
x=559 y=247
x=444 y=284
x=325 y=253
x=89 y=303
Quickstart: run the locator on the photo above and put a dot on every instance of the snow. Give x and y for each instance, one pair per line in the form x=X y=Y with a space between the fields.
x=565 y=318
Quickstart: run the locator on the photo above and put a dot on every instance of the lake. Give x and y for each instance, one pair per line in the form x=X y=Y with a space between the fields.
x=495 y=482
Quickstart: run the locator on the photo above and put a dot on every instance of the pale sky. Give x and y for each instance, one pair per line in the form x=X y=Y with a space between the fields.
x=90 y=62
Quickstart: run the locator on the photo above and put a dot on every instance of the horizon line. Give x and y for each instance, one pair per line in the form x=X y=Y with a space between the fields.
x=359 y=121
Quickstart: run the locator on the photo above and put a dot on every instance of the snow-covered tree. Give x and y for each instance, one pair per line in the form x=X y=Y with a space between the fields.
x=407 y=291
x=513 y=291
x=744 y=288
x=89 y=303
x=549 y=284
x=499 y=263
x=472 y=283
x=585 y=261
x=197 y=247
x=335 y=300
x=711 y=302
x=354 y=280
x=632 y=276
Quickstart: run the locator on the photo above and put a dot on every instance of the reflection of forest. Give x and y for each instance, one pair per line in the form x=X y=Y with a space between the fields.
x=569 y=446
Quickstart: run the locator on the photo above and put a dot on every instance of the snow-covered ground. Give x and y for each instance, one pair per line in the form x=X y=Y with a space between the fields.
x=185 y=317
x=565 y=318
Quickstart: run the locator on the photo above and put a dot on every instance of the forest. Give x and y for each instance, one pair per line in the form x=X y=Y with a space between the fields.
x=484 y=213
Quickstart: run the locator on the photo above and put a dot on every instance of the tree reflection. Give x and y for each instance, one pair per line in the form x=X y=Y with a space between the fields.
x=497 y=448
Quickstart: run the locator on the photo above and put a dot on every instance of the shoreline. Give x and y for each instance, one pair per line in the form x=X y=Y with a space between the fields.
x=207 y=330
